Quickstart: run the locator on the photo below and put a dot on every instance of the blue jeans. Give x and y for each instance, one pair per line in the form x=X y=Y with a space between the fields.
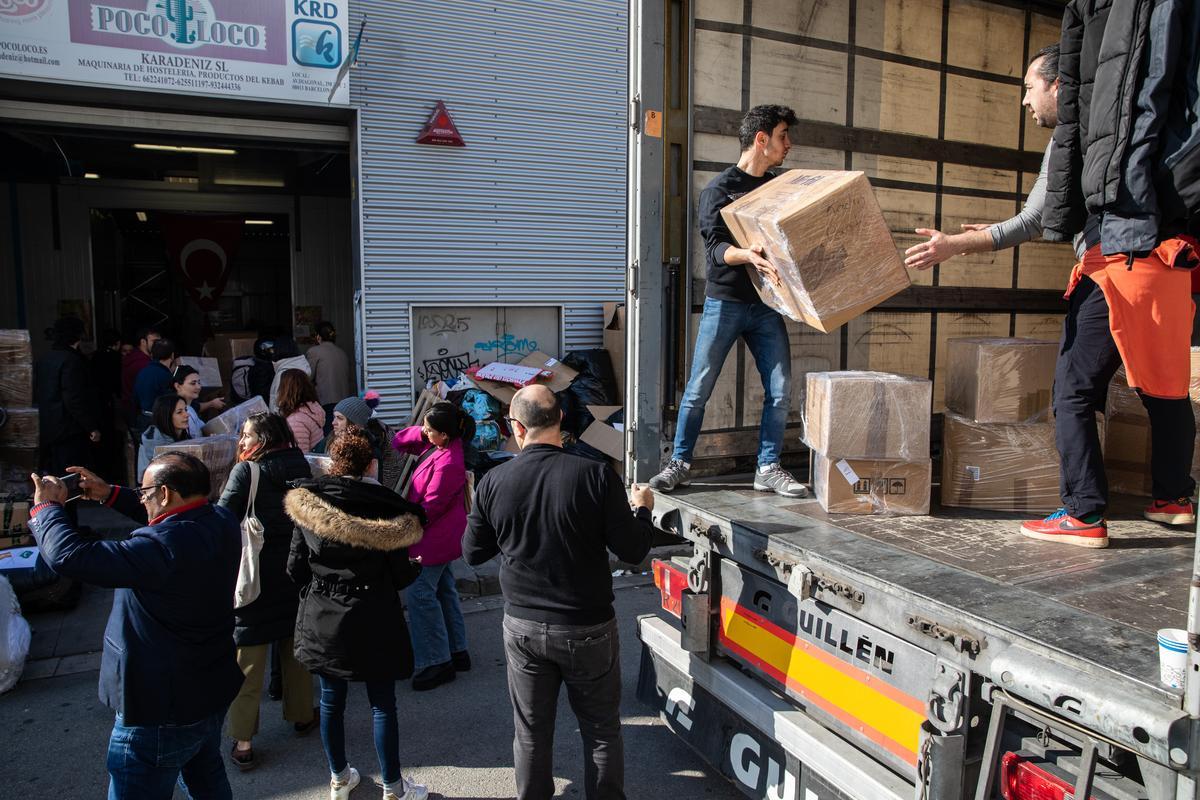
x=146 y=761
x=435 y=617
x=765 y=333
x=382 y=696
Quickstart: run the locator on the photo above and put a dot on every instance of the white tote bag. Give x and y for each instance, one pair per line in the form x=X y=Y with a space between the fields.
x=249 y=573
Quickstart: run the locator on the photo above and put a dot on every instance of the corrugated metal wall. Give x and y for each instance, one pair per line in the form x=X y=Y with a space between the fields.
x=532 y=210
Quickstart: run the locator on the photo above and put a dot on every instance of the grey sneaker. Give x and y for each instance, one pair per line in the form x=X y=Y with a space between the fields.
x=675 y=473
x=778 y=480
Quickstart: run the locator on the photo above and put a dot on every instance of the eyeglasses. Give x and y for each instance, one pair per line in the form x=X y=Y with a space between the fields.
x=144 y=491
x=511 y=420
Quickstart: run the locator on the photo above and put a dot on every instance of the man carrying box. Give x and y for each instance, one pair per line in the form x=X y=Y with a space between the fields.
x=733 y=310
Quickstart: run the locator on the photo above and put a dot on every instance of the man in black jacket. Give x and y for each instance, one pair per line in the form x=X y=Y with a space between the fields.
x=553 y=517
x=733 y=310
x=68 y=422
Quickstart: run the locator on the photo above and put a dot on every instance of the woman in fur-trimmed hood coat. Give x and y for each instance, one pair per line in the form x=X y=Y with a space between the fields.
x=350 y=557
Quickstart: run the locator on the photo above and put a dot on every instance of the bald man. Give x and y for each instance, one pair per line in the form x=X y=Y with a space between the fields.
x=554 y=517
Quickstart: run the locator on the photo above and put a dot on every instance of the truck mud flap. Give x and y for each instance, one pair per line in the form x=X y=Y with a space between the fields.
x=725 y=716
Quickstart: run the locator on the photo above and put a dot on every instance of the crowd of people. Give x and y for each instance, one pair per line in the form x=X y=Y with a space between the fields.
x=337 y=578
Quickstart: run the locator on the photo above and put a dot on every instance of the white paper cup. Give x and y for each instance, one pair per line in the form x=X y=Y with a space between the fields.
x=1172 y=656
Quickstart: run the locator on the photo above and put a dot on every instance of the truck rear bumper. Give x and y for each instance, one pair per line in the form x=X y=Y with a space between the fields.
x=758 y=740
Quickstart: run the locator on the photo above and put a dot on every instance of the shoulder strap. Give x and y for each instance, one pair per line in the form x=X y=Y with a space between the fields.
x=254 y=470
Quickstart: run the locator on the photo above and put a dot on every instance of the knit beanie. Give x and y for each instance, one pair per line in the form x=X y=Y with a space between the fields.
x=355 y=410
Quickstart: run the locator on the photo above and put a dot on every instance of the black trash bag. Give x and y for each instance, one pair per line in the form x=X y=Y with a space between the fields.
x=596 y=385
x=586 y=451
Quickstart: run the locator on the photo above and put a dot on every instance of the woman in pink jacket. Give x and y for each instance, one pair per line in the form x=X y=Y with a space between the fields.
x=298 y=404
x=438 y=484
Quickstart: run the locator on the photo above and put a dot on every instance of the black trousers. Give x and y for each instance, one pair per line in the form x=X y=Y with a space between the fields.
x=1087 y=360
x=587 y=659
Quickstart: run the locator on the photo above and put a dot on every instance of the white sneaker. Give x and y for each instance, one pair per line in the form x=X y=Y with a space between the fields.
x=412 y=791
x=340 y=790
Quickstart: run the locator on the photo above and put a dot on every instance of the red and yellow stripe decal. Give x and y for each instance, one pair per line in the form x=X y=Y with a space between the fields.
x=881 y=712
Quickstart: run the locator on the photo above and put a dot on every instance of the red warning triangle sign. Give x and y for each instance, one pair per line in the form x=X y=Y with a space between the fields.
x=440 y=129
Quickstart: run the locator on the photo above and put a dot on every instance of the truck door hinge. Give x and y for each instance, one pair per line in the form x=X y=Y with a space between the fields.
x=633 y=277
x=635 y=112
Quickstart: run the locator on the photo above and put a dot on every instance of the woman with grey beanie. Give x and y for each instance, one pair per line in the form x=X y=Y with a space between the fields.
x=353 y=414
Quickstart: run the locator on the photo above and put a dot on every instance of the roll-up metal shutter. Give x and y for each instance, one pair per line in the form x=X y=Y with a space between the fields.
x=532 y=210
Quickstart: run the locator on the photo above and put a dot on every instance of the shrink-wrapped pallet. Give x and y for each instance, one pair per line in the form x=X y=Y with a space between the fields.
x=873 y=415
x=871 y=486
x=1000 y=380
x=16 y=369
x=230 y=421
x=219 y=454
x=20 y=428
x=1001 y=467
x=824 y=232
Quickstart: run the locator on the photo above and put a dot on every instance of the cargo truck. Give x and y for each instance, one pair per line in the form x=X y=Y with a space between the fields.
x=810 y=656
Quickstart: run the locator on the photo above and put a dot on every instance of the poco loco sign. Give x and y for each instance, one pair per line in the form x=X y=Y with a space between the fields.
x=276 y=49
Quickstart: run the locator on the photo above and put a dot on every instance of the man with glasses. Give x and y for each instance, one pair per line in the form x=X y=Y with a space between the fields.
x=554 y=516
x=169 y=668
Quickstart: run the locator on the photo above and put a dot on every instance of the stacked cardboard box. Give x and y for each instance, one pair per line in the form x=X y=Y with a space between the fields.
x=230 y=421
x=869 y=432
x=1127 y=434
x=219 y=454
x=998 y=448
x=824 y=232
x=19 y=432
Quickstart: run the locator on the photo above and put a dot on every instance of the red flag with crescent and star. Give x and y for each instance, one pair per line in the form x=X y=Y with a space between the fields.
x=201 y=249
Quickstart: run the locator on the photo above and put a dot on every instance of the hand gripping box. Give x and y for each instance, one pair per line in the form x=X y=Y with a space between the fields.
x=823 y=230
x=874 y=415
x=871 y=486
x=1000 y=380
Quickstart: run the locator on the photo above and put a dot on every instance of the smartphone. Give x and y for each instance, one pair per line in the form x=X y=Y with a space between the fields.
x=72 y=483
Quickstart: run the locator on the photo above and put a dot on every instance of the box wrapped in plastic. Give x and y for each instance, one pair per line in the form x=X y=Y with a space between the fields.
x=823 y=230
x=871 y=486
x=230 y=421
x=1127 y=435
x=1000 y=380
x=219 y=454
x=1000 y=466
x=875 y=415
x=320 y=465
x=20 y=429
x=15 y=349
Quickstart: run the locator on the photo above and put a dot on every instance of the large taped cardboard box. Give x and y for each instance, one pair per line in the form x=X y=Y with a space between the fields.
x=557 y=382
x=230 y=420
x=219 y=454
x=998 y=466
x=823 y=230
x=871 y=486
x=225 y=347
x=1000 y=380
x=614 y=342
x=875 y=415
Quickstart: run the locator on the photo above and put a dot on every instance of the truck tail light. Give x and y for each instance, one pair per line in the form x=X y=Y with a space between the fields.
x=1021 y=779
x=671 y=581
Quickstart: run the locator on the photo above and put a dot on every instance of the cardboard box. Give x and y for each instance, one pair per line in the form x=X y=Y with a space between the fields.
x=999 y=467
x=614 y=342
x=1000 y=380
x=825 y=233
x=209 y=369
x=871 y=486
x=14 y=523
x=15 y=349
x=225 y=347
x=21 y=428
x=219 y=454
x=229 y=421
x=605 y=437
x=559 y=381
x=873 y=415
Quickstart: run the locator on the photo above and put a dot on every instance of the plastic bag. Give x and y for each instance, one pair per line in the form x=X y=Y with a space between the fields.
x=596 y=385
x=14 y=637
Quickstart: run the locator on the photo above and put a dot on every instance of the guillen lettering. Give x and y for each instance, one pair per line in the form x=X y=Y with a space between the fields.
x=823 y=631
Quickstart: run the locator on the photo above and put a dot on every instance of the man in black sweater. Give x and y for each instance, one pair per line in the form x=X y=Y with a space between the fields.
x=552 y=517
x=733 y=310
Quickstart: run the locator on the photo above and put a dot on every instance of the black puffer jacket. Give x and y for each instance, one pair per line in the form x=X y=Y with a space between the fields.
x=66 y=403
x=350 y=555
x=272 y=616
x=1121 y=66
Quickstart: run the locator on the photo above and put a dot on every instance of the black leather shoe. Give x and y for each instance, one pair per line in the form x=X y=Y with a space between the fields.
x=433 y=677
x=461 y=661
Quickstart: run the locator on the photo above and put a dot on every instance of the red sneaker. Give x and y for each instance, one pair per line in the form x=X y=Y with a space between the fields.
x=1171 y=512
x=1062 y=527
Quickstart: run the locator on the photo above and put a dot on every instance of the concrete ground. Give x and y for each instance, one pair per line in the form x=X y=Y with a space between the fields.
x=456 y=739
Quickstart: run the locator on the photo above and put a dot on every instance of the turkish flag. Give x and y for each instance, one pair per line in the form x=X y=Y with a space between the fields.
x=201 y=249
